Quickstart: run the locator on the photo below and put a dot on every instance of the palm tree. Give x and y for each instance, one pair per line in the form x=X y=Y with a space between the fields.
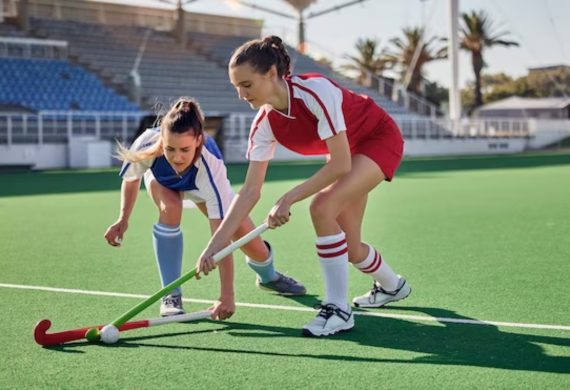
x=370 y=60
x=477 y=33
x=411 y=53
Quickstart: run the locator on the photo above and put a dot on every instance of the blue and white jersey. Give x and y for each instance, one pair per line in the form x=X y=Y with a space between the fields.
x=205 y=182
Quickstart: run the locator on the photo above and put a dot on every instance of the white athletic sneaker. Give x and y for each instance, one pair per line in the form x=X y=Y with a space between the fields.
x=378 y=297
x=329 y=321
x=171 y=305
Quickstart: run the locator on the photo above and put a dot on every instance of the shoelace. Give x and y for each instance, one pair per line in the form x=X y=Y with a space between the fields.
x=326 y=311
x=287 y=279
x=173 y=301
x=377 y=289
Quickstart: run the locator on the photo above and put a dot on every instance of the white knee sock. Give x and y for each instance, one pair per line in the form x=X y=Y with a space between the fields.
x=375 y=266
x=333 y=255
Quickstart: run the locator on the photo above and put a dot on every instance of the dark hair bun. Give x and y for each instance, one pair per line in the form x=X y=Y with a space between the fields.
x=273 y=40
x=262 y=54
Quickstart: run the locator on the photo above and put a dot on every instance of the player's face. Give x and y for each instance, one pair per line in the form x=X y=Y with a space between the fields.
x=253 y=87
x=180 y=149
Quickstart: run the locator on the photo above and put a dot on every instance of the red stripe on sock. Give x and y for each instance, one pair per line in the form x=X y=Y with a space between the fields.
x=375 y=264
x=331 y=246
x=334 y=254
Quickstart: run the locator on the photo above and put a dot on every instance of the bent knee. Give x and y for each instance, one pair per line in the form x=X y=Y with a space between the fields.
x=324 y=206
x=169 y=204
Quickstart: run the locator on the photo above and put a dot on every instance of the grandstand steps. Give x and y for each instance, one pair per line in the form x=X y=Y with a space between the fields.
x=75 y=59
x=169 y=70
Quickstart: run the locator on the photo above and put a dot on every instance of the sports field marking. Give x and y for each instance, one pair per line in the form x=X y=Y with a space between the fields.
x=292 y=308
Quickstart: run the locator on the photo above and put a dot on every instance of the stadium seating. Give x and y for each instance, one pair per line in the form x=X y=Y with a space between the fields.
x=7 y=30
x=220 y=48
x=167 y=70
x=41 y=84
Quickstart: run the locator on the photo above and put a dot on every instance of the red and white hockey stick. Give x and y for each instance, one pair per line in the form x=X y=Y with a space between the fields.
x=43 y=338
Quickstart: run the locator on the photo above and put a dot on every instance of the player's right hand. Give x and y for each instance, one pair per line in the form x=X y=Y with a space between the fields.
x=206 y=263
x=114 y=235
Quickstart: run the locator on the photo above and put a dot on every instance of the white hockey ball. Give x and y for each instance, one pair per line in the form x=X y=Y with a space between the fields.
x=109 y=334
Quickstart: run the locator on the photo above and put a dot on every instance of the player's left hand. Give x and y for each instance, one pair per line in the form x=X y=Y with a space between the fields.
x=279 y=214
x=223 y=309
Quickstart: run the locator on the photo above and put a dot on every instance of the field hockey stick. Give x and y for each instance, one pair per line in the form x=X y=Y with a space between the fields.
x=189 y=275
x=46 y=339
x=95 y=332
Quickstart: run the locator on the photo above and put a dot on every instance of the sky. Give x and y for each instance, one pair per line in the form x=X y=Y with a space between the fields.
x=539 y=26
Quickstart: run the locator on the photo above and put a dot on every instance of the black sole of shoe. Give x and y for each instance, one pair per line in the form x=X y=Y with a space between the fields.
x=282 y=294
x=307 y=333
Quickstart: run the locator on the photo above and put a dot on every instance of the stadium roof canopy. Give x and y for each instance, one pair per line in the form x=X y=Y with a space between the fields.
x=520 y=103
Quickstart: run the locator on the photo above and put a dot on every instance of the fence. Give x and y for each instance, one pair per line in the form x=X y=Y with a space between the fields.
x=236 y=128
x=53 y=127
x=52 y=130
x=59 y=126
x=33 y=48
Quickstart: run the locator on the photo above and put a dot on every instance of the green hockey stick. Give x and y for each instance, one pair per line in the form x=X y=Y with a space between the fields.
x=95 y=334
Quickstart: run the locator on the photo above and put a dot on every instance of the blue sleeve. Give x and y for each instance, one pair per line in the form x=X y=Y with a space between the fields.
x=212 y=147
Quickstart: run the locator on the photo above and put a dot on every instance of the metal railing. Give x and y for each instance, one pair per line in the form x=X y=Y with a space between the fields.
x=60 y=126
x=33 y=48
x=237 y=128
x=407 y=99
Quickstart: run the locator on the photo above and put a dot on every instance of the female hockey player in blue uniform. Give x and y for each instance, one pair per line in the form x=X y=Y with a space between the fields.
x=181 y=165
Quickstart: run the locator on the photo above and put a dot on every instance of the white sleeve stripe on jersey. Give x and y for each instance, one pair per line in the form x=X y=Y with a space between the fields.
x=255 y=128
x=221 y=208
x=323 y=107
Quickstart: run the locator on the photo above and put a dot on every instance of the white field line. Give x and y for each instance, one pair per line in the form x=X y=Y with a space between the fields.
x=305 y=309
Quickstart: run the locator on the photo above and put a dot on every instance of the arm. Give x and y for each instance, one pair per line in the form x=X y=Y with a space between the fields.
x=129 y=193
x=131 y=172
x=243 y=202
x=240 y=208
x=339 y=165
x=325 y=101
x=226 y=266
x=225 y=307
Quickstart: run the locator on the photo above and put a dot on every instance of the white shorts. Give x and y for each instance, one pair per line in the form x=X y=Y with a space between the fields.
x=217 y=202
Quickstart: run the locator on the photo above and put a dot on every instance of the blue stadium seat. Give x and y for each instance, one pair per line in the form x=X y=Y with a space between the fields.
x=167 y=70
x=39 y=84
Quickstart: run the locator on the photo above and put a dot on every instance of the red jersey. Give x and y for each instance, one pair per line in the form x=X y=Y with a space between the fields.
x=318 y=109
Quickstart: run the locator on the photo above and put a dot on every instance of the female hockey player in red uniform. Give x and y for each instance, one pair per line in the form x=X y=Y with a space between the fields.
x=312 y=115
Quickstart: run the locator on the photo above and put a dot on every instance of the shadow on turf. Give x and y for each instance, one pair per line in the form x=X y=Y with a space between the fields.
x=61 y=182
x=67 y=347
x=441 y=343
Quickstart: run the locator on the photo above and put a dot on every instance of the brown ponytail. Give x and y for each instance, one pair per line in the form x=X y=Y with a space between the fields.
x=185 y=115
x=262 y=54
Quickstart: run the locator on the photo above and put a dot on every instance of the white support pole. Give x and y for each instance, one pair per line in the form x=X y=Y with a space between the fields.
x=9 y=134
x=453 y=53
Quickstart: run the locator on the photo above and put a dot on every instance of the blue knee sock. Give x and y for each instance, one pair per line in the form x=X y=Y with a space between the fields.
x=168 y=246
x=265 y=270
